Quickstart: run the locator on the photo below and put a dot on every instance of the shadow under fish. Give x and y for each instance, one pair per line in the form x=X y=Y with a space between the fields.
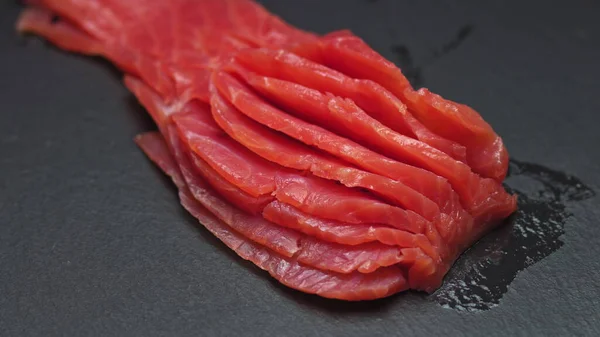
x=482 y=275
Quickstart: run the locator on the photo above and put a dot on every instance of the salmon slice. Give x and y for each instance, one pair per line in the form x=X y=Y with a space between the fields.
x=256 y=205
x=365 y=257
x=137 y=34
x=310 y=196
x=63 y=34
x=260 y=111
x=104 y=19
x=230 y=192
x=486 y=153
x=289 y=271
x=490 y=200
x=258 y=177
x=283 y=241
x=68 y=36
x=336 y=231
x=352 y=286
x=334 y=257
x=290 y=153
x=389 y=236
x=426 y=267
x=365 y=260
x=421 y=206
x=93 y=17
x=382 y=234
x=377 y=102
x=199 y=116
x=182 y=25
x=431 y=185
x=232 y=161
x=344 y=118
x=155 y=147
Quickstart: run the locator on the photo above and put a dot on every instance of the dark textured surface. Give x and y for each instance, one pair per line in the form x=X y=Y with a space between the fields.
x=94 y=242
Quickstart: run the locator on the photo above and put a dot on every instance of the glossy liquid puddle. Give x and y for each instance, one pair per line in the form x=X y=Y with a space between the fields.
x=482 y=275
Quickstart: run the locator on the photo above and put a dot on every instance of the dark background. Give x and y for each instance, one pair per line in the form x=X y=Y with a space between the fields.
x=94 y=242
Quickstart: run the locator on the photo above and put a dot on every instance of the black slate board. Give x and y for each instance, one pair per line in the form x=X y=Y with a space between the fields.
x=94 y=242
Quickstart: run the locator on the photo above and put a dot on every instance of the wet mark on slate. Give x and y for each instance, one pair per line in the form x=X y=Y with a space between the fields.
x=461 y=36
x=412 y=71
x=406 y=63
x=483 y=274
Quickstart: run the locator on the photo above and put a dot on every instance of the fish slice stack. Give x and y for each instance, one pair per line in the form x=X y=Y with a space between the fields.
x=311 y=156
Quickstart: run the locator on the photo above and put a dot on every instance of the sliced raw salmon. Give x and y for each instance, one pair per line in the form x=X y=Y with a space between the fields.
x=486 y=153
x=368 y=95
x=378 y=283
x=288 y=152
x=312 y=156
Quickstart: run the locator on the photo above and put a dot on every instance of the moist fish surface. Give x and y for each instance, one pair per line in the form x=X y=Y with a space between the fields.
x=310 y=155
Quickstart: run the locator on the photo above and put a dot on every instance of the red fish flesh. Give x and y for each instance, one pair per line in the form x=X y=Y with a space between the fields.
x=311 y=156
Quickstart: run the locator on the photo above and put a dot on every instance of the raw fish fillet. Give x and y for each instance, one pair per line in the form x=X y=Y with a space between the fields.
x=368 y=95
x=310 y=156
x=308 y=250
x=289 y=153
x=288 y=270
x=486 y=154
